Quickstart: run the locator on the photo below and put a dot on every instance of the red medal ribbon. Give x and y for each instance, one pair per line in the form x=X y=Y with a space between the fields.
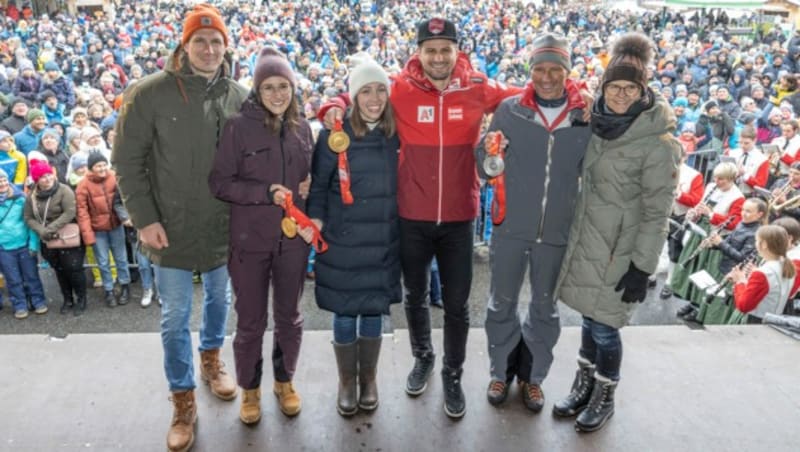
x=499 y=183
x=344 y=171
x=303 y=221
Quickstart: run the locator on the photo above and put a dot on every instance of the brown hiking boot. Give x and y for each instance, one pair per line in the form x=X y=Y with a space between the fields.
x=250 y=411
x=213 y=374
x=184 y=418
x=532 y=396
x=288 y=398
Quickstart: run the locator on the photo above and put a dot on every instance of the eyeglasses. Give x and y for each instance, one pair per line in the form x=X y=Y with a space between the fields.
x=271 y=90
x=628 y=90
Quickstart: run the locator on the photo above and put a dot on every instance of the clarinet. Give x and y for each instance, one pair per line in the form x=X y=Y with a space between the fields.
x=752 y=257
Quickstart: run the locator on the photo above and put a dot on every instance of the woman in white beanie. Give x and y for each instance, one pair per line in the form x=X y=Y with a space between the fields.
x=353 y=200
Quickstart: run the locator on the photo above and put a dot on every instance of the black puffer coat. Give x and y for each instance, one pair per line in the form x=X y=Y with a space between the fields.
x=738 y=246
x=360 y=272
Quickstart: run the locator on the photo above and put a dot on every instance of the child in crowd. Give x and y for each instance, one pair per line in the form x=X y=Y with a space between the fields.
x=767 y=287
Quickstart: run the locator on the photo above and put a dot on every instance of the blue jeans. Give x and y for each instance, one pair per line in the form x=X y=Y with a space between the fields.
x=145 y=270
x=175 y=291
x=113 y=240
x=22 y=275
x=344 y=327
x=602 y=345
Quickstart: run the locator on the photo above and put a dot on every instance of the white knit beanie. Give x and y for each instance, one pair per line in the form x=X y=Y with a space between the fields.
x=367 y=71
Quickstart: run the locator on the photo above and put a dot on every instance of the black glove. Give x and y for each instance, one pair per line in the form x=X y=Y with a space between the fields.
x=634 y=284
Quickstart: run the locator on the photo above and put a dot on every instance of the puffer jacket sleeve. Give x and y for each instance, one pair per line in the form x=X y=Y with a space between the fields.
x=659 y=179
x=224 y=180
x=324 y=164
x=83 y=215
x=130 y=156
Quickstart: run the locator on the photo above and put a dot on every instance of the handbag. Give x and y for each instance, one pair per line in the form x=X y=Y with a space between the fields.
x=68 y=236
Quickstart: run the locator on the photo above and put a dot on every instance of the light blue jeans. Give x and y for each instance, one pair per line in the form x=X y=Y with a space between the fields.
x=145 y=270
x=113 y=240
x=175 y=291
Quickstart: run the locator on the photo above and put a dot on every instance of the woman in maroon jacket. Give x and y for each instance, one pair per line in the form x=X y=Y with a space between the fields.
x=264 y=154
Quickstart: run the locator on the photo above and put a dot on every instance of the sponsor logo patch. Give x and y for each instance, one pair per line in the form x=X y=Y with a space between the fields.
x=455 y=114
x=205 y=21
x=425 y=114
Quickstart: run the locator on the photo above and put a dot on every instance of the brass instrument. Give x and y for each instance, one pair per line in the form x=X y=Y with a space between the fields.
x=706 y=242
x=788 y=204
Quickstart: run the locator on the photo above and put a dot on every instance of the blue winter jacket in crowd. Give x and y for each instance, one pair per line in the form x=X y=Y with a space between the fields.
x=27 y=140
x=14 y=233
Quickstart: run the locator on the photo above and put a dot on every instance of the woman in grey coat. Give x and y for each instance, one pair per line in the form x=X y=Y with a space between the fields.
x=630 y=172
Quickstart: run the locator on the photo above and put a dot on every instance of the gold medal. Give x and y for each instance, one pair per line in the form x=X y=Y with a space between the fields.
x=289 y=227
x=338 y=141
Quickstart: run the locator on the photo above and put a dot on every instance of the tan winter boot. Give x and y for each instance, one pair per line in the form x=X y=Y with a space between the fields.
x=288 y=398
x=213 y=374
x=250 y=411
x=184 y=418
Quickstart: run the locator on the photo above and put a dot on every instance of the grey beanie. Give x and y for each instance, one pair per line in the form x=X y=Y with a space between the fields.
x=553 y=48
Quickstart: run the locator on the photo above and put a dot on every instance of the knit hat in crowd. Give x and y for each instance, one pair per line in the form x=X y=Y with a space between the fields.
x=680 y=102
x=203 y=16
x=553 y=48
x=710 y=104
x=271 y=62
x=78 y=160
x=39 y=168
x=51 y=132
x=51 y=66
x=4 y=134
x=436 y=28
x=25 y=64
x=94 y=158
x=34 y=113
x=630 y=56
x=688 y=126
x=364 y=73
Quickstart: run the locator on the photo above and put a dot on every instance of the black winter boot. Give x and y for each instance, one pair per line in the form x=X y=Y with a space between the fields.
x=124 y=294
x=67 y=304
x=110 y=299
x=454 y=404
x=369 y=349
x=347 y=363
x=419 y=332
x=600 y=407
x=581 y=391
x=81 y=306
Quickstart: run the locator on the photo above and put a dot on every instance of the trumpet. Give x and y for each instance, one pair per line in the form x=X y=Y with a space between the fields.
x=706 y=242
x=788 y=204
x=780 y=193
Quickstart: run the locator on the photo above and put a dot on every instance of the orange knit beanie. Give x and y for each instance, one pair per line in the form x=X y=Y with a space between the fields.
x=203 y=16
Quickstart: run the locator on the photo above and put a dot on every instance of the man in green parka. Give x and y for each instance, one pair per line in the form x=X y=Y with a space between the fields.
x=167 y=136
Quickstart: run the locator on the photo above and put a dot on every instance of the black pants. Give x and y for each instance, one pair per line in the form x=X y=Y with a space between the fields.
x=68 y=265
x=451 y=243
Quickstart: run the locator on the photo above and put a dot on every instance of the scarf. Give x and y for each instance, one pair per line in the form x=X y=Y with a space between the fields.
x=609 y=125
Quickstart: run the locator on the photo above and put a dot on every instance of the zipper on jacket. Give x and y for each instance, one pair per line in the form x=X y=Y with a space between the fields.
x=283 y=179
x=441 y=157
x=550 y=141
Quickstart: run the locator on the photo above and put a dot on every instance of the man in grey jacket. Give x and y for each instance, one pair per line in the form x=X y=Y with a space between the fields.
x=546 y=137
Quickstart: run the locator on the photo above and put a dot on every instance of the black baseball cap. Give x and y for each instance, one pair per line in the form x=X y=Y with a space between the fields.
x=436 y=28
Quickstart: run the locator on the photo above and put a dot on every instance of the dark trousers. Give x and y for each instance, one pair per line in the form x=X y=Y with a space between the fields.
x=251 y=274
x=68 y=265
x=602 y=345
x=451 y=244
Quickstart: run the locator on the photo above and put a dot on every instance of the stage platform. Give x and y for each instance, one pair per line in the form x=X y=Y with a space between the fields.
x=713 y=389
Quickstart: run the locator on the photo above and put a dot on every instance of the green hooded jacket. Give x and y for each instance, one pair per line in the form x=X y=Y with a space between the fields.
x=167 y=134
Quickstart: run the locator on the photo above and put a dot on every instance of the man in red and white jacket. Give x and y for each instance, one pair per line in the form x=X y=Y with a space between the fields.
x=788 y=142
x=753 y=165
x=439 y=101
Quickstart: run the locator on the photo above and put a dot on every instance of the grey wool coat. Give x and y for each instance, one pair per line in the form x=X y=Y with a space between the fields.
x=621 y=214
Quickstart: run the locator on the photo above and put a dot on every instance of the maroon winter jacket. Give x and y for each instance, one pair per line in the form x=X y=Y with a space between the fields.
x=249 y=159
